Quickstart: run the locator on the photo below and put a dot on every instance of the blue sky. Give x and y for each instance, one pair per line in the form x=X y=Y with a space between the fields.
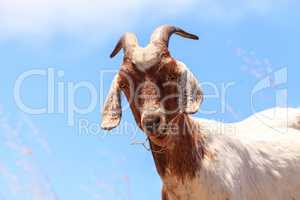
x=46 y=157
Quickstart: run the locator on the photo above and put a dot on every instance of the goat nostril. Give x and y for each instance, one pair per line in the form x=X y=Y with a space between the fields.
x=156 y=121
x=152 y=123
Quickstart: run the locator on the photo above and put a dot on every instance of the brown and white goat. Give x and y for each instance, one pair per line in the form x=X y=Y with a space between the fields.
x=197 y=159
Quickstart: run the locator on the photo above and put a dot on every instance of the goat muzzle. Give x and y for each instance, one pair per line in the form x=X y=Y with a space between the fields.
x=151 y=122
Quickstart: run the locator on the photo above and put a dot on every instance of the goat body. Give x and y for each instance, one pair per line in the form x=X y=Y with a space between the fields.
x=242 y=161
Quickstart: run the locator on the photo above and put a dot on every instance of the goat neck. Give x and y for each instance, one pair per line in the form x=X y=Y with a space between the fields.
x=183 y=152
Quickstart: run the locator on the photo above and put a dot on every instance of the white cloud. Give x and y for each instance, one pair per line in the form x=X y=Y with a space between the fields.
x=73 y=17
x=92 y=18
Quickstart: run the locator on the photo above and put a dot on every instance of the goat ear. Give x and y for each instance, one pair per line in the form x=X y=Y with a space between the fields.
x=112 y=111
x=190 y=93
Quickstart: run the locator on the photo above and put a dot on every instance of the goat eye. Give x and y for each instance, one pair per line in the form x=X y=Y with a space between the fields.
x=122 y=85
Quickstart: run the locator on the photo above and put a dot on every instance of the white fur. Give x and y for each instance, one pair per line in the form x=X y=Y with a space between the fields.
x=146 y=57
x=249 y=160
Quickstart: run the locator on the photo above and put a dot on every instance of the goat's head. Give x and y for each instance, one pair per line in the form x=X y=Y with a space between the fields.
x=158 y=87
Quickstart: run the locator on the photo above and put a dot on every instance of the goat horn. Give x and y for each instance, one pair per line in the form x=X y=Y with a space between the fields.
x=163 y=33
x=127 y=42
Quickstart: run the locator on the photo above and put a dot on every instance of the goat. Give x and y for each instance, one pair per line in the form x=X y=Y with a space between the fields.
x=195 y=158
